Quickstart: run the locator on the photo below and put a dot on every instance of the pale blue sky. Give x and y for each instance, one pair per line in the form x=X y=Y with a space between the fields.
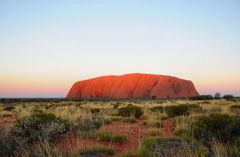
x=45 y=46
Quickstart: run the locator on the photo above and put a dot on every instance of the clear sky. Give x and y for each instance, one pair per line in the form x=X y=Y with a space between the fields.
x=45 y=46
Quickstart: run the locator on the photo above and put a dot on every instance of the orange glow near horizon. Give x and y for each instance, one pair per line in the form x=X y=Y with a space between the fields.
x=46 y=87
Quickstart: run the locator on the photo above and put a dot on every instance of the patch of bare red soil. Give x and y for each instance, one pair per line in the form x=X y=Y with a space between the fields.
x=134 y=131
x=168 y=127
x=6 y=121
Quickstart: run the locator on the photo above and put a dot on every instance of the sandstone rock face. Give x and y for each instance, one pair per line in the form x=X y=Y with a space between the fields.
x=133 y=86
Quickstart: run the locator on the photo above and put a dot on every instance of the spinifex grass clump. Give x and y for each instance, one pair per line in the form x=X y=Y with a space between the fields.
x=130 y=110
x=196 y=108
x=217 y=127
x=89 y=124
x=40 y=126
x=104 y=136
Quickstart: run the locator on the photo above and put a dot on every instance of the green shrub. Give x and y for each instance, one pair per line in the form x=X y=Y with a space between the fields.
x=130 y=110
x=95 y=110
x=164 y=117
x=177 y=110
x=116 y=105
x=157 y=109
x=217 y=127
x=40 y=126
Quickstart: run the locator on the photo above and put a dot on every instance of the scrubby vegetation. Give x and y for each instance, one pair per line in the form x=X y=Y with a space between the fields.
x=39 y=126
x=203 y=97
x=217 y=127
x=177 y=110
x=196 y=127
x=130 y=110
x=104 y=136
x=174 y=147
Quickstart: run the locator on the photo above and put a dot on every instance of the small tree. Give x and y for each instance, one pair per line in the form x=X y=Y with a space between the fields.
x=217 y=95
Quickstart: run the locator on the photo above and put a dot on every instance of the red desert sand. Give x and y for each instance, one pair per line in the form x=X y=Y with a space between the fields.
x=133 y=86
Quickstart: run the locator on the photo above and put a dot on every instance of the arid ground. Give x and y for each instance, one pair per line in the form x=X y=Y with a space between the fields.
x=126 y=128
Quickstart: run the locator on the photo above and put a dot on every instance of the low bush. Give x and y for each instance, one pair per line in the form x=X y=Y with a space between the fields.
x=116 y=105
x=176 y=110
x=40 y=126
x=130 y=110
x=217 y=127
x=95 y=110
x=157 y=109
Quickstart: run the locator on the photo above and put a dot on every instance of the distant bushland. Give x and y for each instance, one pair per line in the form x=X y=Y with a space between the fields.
x=202 y=97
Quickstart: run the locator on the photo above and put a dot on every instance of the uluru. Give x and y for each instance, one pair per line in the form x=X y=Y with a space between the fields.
x=133 y=86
